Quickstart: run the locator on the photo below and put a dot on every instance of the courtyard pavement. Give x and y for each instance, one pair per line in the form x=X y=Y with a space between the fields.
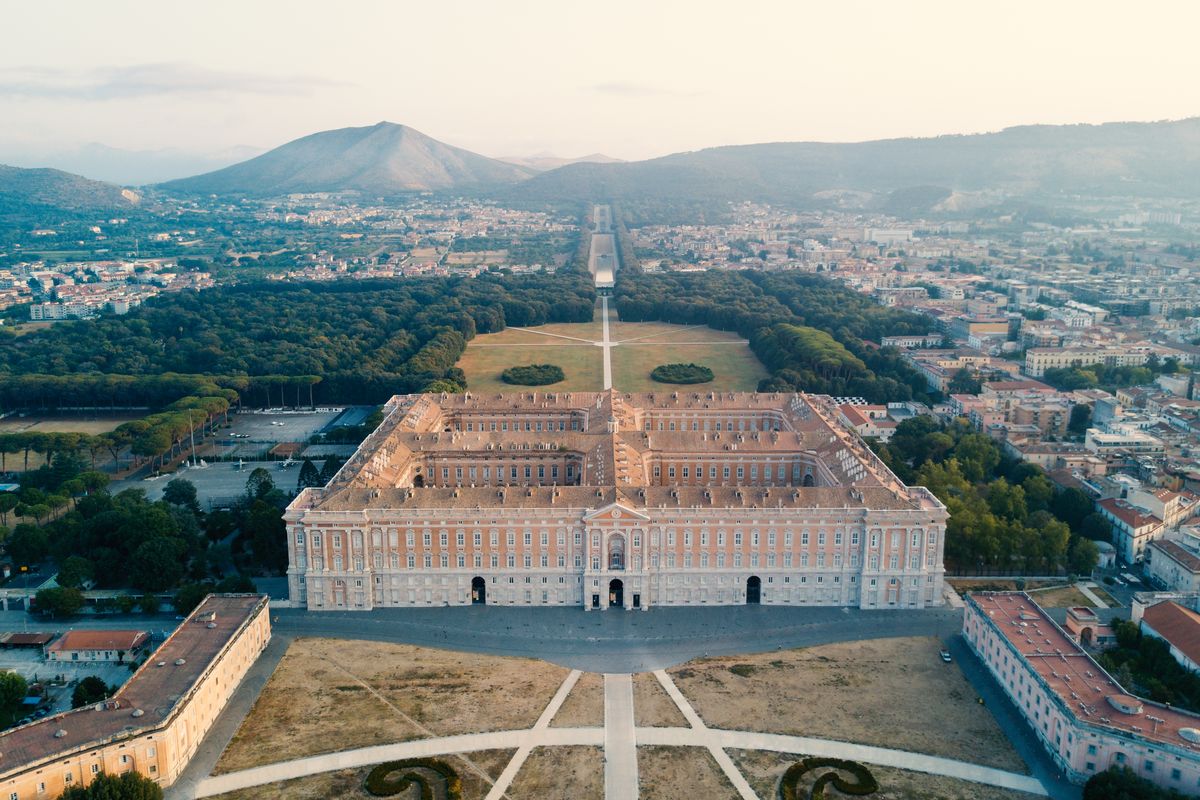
x=615 y=640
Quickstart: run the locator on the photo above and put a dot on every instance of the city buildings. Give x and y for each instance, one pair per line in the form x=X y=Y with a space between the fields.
x=1083 y=718
x=614 y=500
x=156 y=721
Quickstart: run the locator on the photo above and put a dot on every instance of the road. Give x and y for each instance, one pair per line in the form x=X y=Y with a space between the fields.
x=616 y=641
x=602 y=257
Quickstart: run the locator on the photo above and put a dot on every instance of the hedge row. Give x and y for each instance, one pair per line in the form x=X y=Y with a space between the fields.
x=681 y=373
x=533 y=375
x=380 y=782
x=864 y=782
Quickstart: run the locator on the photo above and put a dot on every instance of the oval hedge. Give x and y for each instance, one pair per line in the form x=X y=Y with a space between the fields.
x=863 y=783
x=383 y=780
x=533 y=375
x=681 y=373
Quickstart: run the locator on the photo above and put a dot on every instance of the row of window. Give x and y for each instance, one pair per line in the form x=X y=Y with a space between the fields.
x=711 y=425
x=616 y=561
x=533 y=426
x=686 y=472
x=514 y=473
x=755 y=539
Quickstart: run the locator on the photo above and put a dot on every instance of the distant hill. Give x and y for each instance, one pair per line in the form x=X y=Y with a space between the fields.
x=544 y=161
x=383 y=159
x=51 y=187
x=1128 y=158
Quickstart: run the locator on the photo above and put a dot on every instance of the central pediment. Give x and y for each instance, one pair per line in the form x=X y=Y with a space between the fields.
x=615 y=511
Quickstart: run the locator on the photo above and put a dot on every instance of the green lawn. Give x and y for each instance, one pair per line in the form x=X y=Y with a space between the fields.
x=582 y=363
x=735 y=369
x=641 y=346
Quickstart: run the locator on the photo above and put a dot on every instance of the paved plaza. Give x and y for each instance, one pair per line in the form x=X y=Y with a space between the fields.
x=616 y=644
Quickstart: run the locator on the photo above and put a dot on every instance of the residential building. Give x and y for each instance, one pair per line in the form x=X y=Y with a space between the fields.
x=1179 y=627
x=1133 y=527
x=1039 y=359
x=1174 y=563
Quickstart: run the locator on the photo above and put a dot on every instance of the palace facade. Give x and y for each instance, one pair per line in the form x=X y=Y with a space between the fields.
x=609 y=499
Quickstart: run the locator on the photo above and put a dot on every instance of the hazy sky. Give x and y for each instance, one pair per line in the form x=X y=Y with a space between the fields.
x=631 y=79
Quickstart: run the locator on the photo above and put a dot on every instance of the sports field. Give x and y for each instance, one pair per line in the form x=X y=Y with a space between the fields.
x=84 y=424
x=638 y=347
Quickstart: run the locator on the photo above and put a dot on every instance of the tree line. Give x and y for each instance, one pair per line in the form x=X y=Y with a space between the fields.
x=338 y=342
x=1006 y=516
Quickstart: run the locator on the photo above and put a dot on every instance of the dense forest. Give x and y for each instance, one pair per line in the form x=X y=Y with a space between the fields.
x=342 y=342
x=1006 y=516
x=807 y=329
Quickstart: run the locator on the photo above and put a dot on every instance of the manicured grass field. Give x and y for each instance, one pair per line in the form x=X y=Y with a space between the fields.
x=666 y=332
x=639 y=348
x=735 y=369
x=581 y=362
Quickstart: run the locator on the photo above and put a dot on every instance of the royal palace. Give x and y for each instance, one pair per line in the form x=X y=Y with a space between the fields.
x=614 y=500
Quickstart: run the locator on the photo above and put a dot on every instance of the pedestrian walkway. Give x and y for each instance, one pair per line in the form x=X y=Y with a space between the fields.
x=620 y=743
x=1086 y=590
x=606 y=343
x=620 y=739
x=543 y=723
x=698 y=728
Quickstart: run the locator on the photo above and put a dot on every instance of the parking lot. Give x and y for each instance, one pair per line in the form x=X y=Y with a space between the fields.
x=217 y=484
x=278 y=426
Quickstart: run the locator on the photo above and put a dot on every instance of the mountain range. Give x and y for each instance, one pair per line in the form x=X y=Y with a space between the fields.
x=1129 y=158
x=21 y=187
x=132 y=167
x=1039 y=161
x=543 y=162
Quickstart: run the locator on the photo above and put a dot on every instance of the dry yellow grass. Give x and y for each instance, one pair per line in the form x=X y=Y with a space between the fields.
x=886 y=692
x=373 y=693
x=652 y=706
x=669 y=773
x=347 y=784
x=64 y=424
x=763 y=771
x=1064 y=597
x=584 y=706
x=551 y=773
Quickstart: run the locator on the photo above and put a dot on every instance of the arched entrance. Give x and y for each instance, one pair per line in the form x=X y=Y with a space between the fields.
x=753 y=590
x=616 y=593
x=1085 y=637
x=478 y=592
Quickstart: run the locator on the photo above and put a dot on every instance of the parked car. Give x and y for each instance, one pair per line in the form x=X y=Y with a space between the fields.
x=945 y=654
